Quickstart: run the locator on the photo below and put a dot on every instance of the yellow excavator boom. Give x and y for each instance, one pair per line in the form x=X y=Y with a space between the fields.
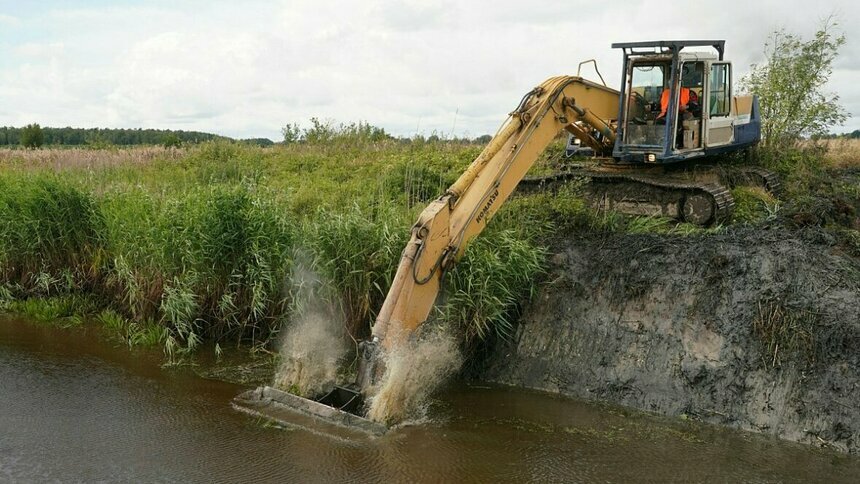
x=441 y=234
x=446 y=226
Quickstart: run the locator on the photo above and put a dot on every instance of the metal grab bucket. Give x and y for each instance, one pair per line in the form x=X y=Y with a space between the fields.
x=330 y=415
x=343 y=398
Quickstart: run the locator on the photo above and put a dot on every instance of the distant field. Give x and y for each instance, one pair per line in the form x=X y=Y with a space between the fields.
x=842 y=153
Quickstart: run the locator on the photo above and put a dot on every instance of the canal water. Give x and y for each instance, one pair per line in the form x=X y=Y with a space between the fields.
x=76 y=408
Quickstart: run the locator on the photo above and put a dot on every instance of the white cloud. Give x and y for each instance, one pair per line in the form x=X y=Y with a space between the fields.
x=9 y=20
x=31 y=50
x=247 y=69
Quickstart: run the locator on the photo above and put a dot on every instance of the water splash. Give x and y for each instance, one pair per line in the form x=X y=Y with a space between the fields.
x=314 y=344
x=413 y=372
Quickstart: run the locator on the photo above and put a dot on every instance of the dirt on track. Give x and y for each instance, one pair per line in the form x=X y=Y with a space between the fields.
x=757 y=329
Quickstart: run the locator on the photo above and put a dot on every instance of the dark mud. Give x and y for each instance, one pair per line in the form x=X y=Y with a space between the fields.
x=757 y=329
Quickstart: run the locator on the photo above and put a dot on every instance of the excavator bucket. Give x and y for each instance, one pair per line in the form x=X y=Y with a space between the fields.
x=337 y=413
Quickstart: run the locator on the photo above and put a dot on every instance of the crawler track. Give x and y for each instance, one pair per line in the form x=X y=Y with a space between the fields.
x=696 y=193
x=762 y=177
x=701 y=203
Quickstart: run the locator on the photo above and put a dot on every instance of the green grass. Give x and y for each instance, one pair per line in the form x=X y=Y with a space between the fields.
x=197 y=246
x=200 y=247
x=486 y=288
x=66 y=310
x=145 y=333
x=821 y=187
x=753 y=205
x=51 y=233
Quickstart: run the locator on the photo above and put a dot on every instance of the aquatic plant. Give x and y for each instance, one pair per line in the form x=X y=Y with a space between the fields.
x=197 y=245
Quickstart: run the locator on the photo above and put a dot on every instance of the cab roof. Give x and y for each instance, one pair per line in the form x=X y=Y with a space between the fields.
x=669 y=45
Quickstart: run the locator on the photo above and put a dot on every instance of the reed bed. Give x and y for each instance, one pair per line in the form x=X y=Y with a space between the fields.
x=85 y=158
x=842 y=152
x=183 y=248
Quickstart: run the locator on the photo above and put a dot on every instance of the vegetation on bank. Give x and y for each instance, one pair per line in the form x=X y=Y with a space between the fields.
x=819 y=175
x=198 y=245
x=179 y=248
x=790 y=85
x=34 y=136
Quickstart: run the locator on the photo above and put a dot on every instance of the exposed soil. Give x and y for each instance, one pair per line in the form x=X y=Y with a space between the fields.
x=756 y=328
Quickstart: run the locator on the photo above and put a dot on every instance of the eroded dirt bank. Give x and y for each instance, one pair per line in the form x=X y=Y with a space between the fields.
x=757 y=329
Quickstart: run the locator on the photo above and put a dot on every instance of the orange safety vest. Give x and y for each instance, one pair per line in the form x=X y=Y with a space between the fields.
x=664 y=100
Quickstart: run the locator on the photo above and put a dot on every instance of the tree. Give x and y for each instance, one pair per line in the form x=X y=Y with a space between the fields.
x=99 y=140
x=262 y=142
x=790 y=85
x=320 y=132
x=171 y=140
x=292 y=133
x=32 y=136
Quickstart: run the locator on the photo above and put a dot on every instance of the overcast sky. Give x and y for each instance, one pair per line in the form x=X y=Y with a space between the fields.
x=245 y=69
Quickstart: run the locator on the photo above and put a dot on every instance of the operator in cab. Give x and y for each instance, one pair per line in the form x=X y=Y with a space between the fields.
x=685 y=97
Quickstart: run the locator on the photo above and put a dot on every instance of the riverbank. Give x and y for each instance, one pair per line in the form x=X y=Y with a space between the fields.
x=199 y=248
x=756 y=329
x=196 y=251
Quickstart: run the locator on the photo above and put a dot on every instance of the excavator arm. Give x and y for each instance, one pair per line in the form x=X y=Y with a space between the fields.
x=441 y=234
x=444 y=229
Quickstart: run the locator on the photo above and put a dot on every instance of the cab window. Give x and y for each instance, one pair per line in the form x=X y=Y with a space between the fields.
x=645 y=86
x=719 y=87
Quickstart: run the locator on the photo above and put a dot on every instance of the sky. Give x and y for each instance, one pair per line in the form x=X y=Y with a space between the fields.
x=452 y=68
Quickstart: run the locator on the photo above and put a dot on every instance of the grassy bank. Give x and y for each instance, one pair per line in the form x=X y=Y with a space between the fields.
x=821 y=188
x=188 y=247
x=184 y=248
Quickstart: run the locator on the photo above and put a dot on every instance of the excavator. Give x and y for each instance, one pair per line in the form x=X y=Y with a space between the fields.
x=648 y=163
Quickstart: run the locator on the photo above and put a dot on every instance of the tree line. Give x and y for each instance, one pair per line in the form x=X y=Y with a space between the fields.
x=852 y=135
x=34 y=136
x=328 y=131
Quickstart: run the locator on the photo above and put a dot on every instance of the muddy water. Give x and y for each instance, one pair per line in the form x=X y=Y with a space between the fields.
x=73 y=408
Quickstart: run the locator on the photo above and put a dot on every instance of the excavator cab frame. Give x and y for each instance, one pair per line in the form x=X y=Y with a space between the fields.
x=711 y=132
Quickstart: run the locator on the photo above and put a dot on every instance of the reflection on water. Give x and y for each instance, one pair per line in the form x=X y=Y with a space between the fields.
x=74 y=408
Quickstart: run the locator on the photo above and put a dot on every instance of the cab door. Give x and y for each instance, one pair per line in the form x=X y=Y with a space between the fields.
x=719 y=129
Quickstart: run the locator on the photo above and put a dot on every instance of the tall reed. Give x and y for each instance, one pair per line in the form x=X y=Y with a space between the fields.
x=199 y=246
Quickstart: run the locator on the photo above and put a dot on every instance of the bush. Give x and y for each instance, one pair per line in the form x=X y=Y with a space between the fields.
x=212 y=262
x=485 y=290
x=357 y=253
x=32 y=136
x=200 y=246
x=789 y=86
x=414 y=184
x=51 y=234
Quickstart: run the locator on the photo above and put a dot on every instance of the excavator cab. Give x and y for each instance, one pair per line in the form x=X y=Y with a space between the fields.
x=706 y=119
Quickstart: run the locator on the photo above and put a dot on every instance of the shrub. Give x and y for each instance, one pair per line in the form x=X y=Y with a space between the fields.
x=485 y=290
x=357 y=253
x=199 y=245
x=211 y=261
x=32 y=136
x=51 y=233
x=790 y=85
